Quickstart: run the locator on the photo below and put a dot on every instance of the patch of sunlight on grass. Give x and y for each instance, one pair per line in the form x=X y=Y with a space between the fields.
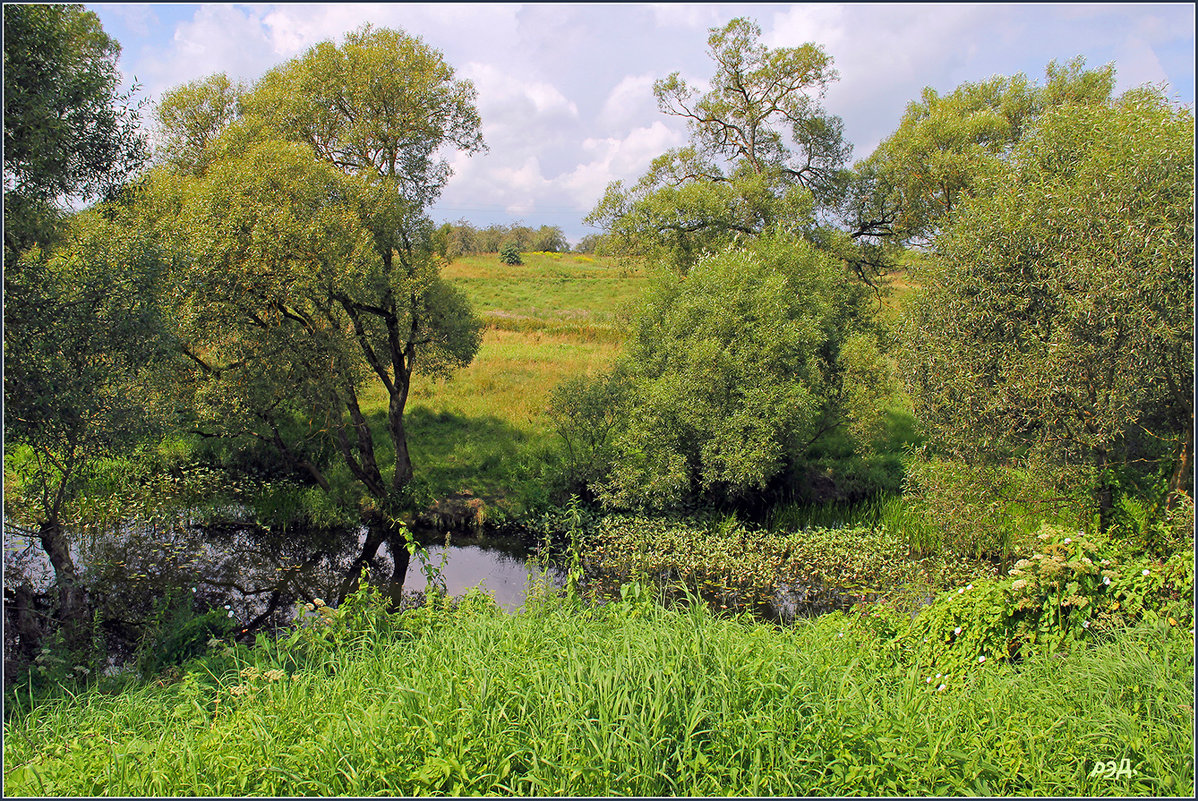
x=512 y=376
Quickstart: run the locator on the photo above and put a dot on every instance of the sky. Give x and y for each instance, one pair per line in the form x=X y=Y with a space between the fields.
x=565 y=90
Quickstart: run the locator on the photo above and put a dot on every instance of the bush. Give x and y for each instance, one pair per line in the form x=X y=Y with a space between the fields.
x=1072 y=589
x=985 y=510
x=179 y=636
x=510 y=254
x=735 y=373
x=587 y=412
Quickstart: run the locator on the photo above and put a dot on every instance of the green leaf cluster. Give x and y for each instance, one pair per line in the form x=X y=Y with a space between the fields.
x=68 y=132
x=1072 y=590
x=1055 y=323
x=731 y=373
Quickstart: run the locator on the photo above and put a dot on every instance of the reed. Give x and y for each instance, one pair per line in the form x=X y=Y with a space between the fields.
x=632 y=699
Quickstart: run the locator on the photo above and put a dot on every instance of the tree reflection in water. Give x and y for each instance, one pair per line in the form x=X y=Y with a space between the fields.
x=257 y=574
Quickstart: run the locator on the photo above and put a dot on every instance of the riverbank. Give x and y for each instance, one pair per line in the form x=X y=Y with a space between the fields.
x=631 y=699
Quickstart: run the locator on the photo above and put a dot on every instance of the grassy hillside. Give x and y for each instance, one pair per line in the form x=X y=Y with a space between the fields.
x=486 y=429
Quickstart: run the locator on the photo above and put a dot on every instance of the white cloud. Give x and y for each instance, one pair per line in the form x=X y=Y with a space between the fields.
x=219 y=38
x=565 y=89
x=510 y=98
x=614 y=159
x=885 y=55
x=630 y=101
x=1137 y=65
x=691 y=15
x=137 y=18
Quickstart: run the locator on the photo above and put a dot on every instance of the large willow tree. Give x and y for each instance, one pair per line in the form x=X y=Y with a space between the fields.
x=763 y=153
x=1056 y=324
x=308 y=279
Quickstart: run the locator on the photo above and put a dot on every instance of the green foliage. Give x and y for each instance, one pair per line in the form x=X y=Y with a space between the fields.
x=67 y=131
x=586 y=411
x=509 y=253
x=742 y=569
x=307 y=271
x=272 y=269
x=763 y=154
x=591 y=243
x=671 y=220
x=660 y=703
x=1056 y=323
x=83 y=336
x=915 y=180
x=192 y=116
x=1070 y=591
x=983 y=510
x=303 y=277
x=732 y=373
x=177 y=634
x=382 y=103
x=463 y=238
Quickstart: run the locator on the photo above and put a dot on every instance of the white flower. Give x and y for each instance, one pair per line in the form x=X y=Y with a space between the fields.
x=969 y=586
x=981 y=659
x=960 y=590
x=1085 y=624
x=1067 y=540
x=941 y=688
x=1145 y=573
x=228 y=607
x=841 y=634
x=957 y=631
x=1106 y=580
x=230 y=613
x=928 y=680
x=195 y=589
x=939 y=675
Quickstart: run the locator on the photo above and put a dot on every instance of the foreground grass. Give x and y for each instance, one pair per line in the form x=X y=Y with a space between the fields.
x=634 y=700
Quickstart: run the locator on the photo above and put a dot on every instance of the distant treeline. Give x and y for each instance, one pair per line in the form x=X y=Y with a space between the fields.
x=462 y=238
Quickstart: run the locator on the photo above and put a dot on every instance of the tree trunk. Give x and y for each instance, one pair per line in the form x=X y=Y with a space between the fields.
x=1105 y=495
x=21 y=617
x=399 y=438
x=1185 y=460
x=71 y=599
x=398 y=544
x=374 y=539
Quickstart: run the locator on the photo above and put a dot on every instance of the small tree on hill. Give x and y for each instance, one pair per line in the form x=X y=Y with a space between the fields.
x=509 y=253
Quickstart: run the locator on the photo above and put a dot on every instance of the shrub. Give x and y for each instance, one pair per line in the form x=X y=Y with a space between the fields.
x=509 y=253
x=179 y=636
x=735 y=373
x=1070 y=590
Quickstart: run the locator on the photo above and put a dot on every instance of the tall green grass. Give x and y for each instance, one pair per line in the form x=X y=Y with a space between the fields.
x=630 y=700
